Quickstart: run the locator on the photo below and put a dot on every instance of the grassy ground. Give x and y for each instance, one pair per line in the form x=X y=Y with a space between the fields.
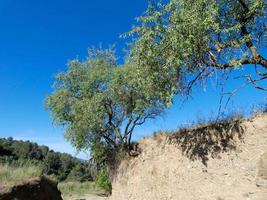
x=11 y=175
x=77 y=189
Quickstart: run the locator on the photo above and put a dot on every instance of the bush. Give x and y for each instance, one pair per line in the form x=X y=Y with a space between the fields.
x=80 y=173
x=103 y=182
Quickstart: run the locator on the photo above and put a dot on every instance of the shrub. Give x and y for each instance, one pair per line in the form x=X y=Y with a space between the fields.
x=80 y=173
x=103 y=182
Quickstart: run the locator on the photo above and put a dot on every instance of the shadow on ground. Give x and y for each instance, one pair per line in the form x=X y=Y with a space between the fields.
x=212 y=139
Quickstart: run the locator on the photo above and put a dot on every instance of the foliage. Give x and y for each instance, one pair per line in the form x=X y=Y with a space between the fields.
x=103 y=182
x=183 y=41
x=52 y=163
x=100 y=103
x=80 y=173
x=62 y=166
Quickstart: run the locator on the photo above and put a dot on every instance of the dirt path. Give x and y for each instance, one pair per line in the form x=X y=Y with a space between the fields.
x=87 y=197
x=93 y=197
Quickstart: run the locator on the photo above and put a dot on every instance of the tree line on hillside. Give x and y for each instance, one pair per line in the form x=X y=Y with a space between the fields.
x=60 y=165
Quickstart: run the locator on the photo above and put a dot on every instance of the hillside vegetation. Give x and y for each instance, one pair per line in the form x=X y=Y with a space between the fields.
x=216 y=161
x=25 y=155
x=23 y=163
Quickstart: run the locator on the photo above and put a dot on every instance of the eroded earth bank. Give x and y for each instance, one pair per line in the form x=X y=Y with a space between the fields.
x=227 y=161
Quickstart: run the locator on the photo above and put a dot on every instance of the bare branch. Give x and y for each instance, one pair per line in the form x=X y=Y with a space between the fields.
x=255 y=82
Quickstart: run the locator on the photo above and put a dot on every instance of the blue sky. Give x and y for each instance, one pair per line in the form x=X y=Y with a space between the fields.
x=39 y=37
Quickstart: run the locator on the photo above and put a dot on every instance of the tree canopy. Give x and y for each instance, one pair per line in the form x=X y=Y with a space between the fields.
x=197 y=37
x=101 y=102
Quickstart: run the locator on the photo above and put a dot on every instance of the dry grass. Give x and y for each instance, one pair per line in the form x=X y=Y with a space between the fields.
x=77 y=189
x=11 y=175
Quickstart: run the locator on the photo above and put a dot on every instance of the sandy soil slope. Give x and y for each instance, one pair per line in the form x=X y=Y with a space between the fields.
x=220 y=164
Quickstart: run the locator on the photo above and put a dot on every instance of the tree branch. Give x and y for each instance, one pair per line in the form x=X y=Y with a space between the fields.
x=108 y=106
x=256 y=57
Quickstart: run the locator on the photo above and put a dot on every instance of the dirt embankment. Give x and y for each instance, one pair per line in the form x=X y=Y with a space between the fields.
x=35 y=189
x=226 y=161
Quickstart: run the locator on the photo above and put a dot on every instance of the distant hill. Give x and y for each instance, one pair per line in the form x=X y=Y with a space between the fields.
x=62 y=166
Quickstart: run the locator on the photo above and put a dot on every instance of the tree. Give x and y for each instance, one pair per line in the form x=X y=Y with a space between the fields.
x=52 y=163
x=22 y=150
x=197 y=37
x=36 y=152
x=100 y=102
x=44 y=150
x=67 y=164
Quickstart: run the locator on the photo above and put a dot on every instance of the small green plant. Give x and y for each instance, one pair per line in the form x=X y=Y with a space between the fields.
x=103 y=182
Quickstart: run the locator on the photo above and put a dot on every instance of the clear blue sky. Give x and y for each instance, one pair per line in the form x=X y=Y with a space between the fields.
x=37 y=38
